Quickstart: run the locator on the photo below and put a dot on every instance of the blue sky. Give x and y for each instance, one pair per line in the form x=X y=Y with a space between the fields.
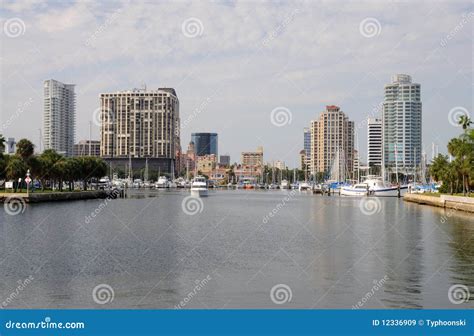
x=233 y=63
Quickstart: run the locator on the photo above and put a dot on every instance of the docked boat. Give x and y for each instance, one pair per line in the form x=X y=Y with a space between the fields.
x=248 y=185
x=137 y=183
x=284 y=184
x=199 y=186
x=180 y=182
x=373 y=186
x=303 y=186
x=162 y=182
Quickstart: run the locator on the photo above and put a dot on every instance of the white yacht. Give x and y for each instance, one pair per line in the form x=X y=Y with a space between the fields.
x=137 y=183
x=304 y=186
x=180 y=182
x=162 y=182
x=373 y=185
x=284 y=184
x=199 y=186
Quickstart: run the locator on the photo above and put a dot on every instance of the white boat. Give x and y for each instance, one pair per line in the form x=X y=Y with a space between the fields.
x=180 y=182
x=162 y=182
x=375 y=186
x=199 y=186
x=359 y=189
x=104 y=183
x=304 y=186
x=284 y=184
x=137 y=183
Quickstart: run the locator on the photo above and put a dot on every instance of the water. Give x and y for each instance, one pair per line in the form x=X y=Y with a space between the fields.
x=327 y=251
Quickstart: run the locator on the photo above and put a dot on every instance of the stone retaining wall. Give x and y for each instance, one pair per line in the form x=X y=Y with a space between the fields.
x=444 y=201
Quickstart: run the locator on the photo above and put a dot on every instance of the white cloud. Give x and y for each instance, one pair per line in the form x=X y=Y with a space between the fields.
x=318 y=57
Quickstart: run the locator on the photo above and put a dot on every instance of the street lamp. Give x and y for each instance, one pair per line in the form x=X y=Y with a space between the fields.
x=28 y=180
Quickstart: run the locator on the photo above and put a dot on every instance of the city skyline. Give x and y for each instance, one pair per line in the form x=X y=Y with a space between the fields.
x=274 y=69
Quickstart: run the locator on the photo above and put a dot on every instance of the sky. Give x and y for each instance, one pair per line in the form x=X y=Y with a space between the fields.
x=256 y=73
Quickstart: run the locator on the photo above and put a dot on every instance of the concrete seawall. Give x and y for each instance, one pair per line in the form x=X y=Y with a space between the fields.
x=443 y=201
x=54 y=196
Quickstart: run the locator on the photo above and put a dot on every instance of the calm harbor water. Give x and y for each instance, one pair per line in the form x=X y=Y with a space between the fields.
x=159 y=249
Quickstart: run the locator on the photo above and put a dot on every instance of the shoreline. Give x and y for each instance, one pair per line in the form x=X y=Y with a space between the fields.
x=38 y=197
x=443 y=201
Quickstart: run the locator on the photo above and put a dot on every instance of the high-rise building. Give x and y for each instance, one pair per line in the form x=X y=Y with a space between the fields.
x=140 y=126
x=374 y=142
x=307 y=141
x=205 y=143
x=59 y=118
x=279 y=164
x=10 y=146
x=332 y=144
x=86 y=148
x=303 y=161
x=401 y=121
x=254 y=159
x=224 y=160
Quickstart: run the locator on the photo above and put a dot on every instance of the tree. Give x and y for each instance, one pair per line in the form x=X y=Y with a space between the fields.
x=465 y=122
x=25 y=148
x=462 y=151
x=16 y=168
x=438 y=167
x=3 y=165
x=2 y=143
x=48 y=171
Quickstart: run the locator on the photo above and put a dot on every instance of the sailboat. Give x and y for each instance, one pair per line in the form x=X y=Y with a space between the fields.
x=376 y=185
x=146 y=183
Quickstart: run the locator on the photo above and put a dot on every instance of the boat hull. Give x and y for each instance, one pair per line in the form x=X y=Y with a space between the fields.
x=390 y=191
x=353 y=192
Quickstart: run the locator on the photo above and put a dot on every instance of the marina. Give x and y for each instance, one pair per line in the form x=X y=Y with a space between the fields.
x=151 y=250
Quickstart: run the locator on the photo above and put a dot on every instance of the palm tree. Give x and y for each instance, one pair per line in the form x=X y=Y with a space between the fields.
x=48 y=160
x=438 y=167
x=16 y=169
x=2 y=143
x=25 y=148
x=464 y=121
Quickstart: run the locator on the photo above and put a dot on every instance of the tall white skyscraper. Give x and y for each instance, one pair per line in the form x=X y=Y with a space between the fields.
x=59 y=118
x=402 y=123
x=374 y=142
